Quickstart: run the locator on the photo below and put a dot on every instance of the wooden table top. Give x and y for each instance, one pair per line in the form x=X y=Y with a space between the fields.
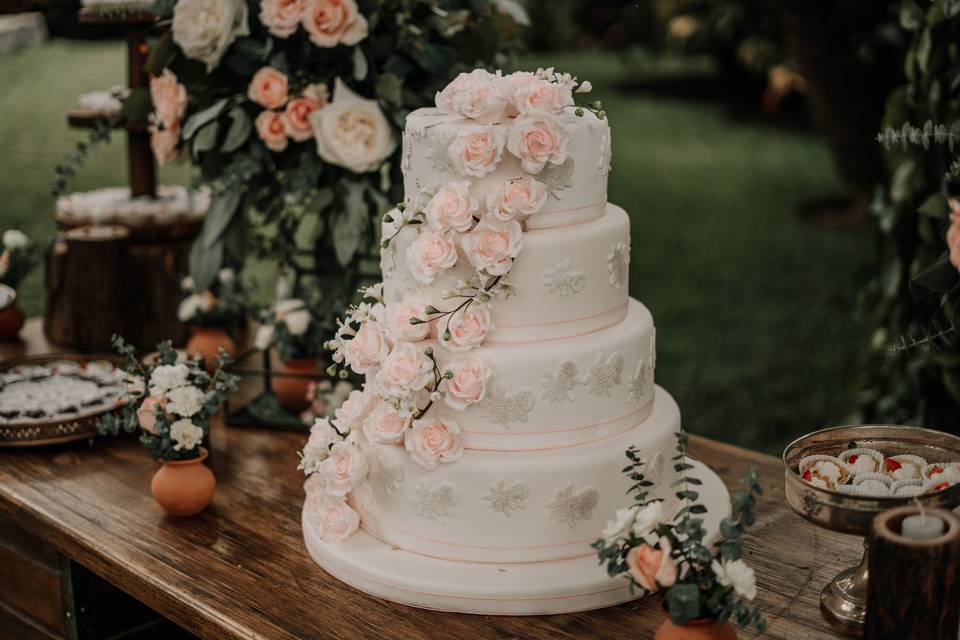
x=240 y=569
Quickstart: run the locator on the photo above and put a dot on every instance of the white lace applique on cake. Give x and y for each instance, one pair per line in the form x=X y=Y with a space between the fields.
x=388 y=260
x=641 y=384
x=618 y=264
x=562 y=282
x=653 y=350
x=389 y=476
x=437 y=153
x=407 y=149
x=506 y=407
x=655 y=469
x=569 y=508
x=434 y=503
x=557 y=177
x=605 y=374
x=606 y=153
x=555 y=386
x=503 y=497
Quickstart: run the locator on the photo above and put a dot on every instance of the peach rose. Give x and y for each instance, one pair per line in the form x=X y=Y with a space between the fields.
x=169 y=99
x=405 y=371
x=268 y=88
x=296 y=119
x=334 y=520
x=478 y=95
x=467 y=329
x=163 y=143
x=536 y=139
x=431 y=254
x=432 y=441
x=385 y=425
x=542 y=95
x=367 y=349
x=281 y=17
x=398 y=323
x=452 y=207
x=652 y=568
x=521 y=196
x=468 y=384
x=147 y=413
x=271 y=130
x=343 y=469
x=493 y=244
x=333 y=22
x=476 y=150
x=953 y=243
x=355 y=409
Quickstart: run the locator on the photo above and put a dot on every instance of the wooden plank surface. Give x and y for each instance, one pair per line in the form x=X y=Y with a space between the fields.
x=240 y=570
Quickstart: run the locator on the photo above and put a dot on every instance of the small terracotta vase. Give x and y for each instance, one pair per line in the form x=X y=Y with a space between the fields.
x=184 y=487
x=699 y=629
x=291 y=391
x=207 y=342
x=11 y=321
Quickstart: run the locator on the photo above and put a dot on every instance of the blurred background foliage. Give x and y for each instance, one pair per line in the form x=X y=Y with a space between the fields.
x=745 y=152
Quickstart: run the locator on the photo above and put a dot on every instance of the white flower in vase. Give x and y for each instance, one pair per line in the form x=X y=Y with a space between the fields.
x=186 y=435
x=736 y=574
x=185 y=401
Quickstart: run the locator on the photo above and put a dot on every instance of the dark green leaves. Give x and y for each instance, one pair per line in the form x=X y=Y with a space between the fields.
x=351 y=222
x=683 y=603
x=239 y=130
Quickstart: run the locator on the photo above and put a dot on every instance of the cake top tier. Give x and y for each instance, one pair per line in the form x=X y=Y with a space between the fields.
x=515 y=141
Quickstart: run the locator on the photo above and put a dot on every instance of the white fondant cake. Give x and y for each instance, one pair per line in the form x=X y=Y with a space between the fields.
x=507 y=370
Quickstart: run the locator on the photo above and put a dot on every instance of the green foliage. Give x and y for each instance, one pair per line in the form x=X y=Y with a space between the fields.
x=72 y=162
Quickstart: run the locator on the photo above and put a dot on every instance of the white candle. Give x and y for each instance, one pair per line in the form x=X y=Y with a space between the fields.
x=921 y=527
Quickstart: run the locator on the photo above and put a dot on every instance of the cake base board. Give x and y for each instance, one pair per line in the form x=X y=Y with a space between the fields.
x=519 y=589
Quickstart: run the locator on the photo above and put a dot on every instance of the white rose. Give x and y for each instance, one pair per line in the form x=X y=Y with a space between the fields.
x=476 y=150
x=322 y=437
x=204 y=29
x=385 y=425
x=619 y=527
x=367 y=349
x=355 y=409
x=467 y=329
x=518 y=197
x=542 y=95
x=343 y=470
x=352 y=132
x=185 y=401
x=192 y=305
x=431 y=254
x=736 y=574
x=15 y=239
x=468 y=384
x=405 y=371
x=294 y=314
x=536 y=139
x=432 y=441
x=478 y=95
x=185 y=434
x=398 y=323
x=168 y=376
x=334 y=520
x=648 y=518
x=452 y=207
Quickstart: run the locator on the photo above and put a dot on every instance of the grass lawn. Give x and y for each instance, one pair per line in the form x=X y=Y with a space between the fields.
x=757 y=336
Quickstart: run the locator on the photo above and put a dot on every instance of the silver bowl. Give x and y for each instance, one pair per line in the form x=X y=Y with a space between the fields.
x=844 y=598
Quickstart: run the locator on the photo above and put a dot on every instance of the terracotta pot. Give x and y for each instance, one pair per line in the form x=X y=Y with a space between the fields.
x=207 y=342
x=699 y=629
x=11 y=321
x=184 y=487
x=292 y=392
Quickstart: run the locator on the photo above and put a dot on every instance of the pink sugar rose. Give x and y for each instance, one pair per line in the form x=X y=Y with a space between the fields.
x=493 y=244
x=147 y=413
x=268 y=88
x=355 y=409
x=271 y=130
x=313 y=485
x=542 y=95
x=652 y=568
x=169 y=99
x=452 y=207
x=333 y=22
x=367 y=349
x=518 y=197
x=334 y=520
x=281 y=17
x=385 y=425
x=953 y=243
x=467 y=329
x=296 y=119
x=477 y=150
x=432 y=441
x=398 y=322
x=405 y=371
x=431 y=254
x=343 y=469
x=163 y=143
x=478 y=95
x=536 y=139
x=468 y=386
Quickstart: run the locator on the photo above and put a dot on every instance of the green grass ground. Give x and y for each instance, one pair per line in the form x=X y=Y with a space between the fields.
x=757 y=337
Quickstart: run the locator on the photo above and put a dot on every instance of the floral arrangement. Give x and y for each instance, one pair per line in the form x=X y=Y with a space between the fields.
x=657 y=551
x=173 y=404
x=291 y=326
x=20 y=256
x=222 y=305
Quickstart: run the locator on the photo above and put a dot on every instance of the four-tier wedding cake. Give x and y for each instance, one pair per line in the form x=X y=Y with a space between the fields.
x=507 y=369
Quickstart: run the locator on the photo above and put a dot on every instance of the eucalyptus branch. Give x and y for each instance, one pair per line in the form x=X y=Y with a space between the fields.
x=74 y=160
x=931 y=340
x=925 y=136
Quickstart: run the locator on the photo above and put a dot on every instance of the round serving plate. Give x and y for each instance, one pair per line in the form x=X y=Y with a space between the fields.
x=91 y=395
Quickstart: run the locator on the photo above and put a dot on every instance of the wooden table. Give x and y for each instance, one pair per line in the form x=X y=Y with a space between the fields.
x=240 y=570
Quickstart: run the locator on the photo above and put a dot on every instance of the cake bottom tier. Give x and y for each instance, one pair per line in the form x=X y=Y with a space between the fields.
x=524 y=588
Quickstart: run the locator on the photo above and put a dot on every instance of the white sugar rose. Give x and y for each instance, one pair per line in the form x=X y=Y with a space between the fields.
x=542 y=95
x=343 y=470
x=493 y=244
x=432 y=441
x=536 y=139
x=204 y=29
x=385 y=425
x=476 y=150
x=367 y=349
x=281 y=17
x=168 y=376
x=452 y=207
x=619 y=527
x=186 y=435
x=352 y=132
x=648 y=518
x=355 y=409
x=405 y=371
x=185 y=401
x=736 y=574
x=431 y=254
x=518 y=197
x=478 y=95
x=333 y=520
x=333 y=22
x=399 y=326
x=295 y=315
x=467 y=329
x=322 y=437
x=467 y=384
